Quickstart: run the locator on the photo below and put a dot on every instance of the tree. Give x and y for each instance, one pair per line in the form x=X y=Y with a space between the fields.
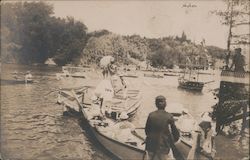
x=183 y=37
x=31 y=35
x=72 y=40
x=237 y=14
x=163 y=57
x=27 y=24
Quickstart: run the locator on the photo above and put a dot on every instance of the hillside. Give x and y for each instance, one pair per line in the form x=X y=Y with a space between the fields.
x=161 y=52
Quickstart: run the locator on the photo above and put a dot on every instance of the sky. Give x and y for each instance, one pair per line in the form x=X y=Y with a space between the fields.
x=152 y=19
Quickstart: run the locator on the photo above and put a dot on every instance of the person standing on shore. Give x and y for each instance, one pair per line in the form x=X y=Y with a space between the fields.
x=238 y=61
x=161 y=132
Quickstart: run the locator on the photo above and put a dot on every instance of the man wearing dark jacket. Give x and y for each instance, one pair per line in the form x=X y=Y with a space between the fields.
x=161 y=132
x=238 y=61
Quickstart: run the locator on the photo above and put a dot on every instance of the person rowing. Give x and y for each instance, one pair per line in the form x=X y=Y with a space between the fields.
x=15 y=75
x=28 y=77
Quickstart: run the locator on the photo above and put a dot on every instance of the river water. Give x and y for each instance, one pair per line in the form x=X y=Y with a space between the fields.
x=33 y=127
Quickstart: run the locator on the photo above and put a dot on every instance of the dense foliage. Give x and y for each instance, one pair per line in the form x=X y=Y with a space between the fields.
x=159 y=52
x=31 y=34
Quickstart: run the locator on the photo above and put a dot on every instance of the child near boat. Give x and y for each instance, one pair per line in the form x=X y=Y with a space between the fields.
x=206 y=130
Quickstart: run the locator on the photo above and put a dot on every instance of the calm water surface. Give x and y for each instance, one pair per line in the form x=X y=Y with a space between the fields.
x=32 y=125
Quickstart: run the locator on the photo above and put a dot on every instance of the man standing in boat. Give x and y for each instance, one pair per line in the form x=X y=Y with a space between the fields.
x=107 y=64
x=161 y=132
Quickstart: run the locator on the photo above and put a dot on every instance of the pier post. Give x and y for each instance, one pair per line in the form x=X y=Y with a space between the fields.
x=244 y=118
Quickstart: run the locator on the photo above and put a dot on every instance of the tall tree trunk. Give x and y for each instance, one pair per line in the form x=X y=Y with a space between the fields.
x=229 y=34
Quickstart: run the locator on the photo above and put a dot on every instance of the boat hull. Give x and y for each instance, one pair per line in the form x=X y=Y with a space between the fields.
x=124 y=151
x=171 y=74
x=193 y=86
x=78 y=76
x=117 y=149
x=130 y=76
x=153 y=76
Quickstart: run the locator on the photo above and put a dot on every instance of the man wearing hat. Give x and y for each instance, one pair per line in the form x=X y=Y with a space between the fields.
x=161 y=132
x=238 y=61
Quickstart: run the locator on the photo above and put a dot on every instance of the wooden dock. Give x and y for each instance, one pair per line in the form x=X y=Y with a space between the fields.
x=233 y=99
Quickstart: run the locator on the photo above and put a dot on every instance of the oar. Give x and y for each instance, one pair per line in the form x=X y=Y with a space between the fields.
x=82 y=107
x=209 y=82
x=192 y=152
x=85 y=87
x=145 y=156
x=140 y=128
x=214 y=90
x=138 y=136
x=177 y=154
x=51 y=92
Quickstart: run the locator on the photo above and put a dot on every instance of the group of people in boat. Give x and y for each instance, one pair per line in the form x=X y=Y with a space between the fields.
x=161 y=131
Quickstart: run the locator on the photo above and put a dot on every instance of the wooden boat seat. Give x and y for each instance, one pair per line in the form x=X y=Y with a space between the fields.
x=132 y=143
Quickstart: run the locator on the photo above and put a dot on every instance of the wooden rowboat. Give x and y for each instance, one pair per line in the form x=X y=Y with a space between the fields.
x=130 y=148
x=118 y=139
x=119 y=108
